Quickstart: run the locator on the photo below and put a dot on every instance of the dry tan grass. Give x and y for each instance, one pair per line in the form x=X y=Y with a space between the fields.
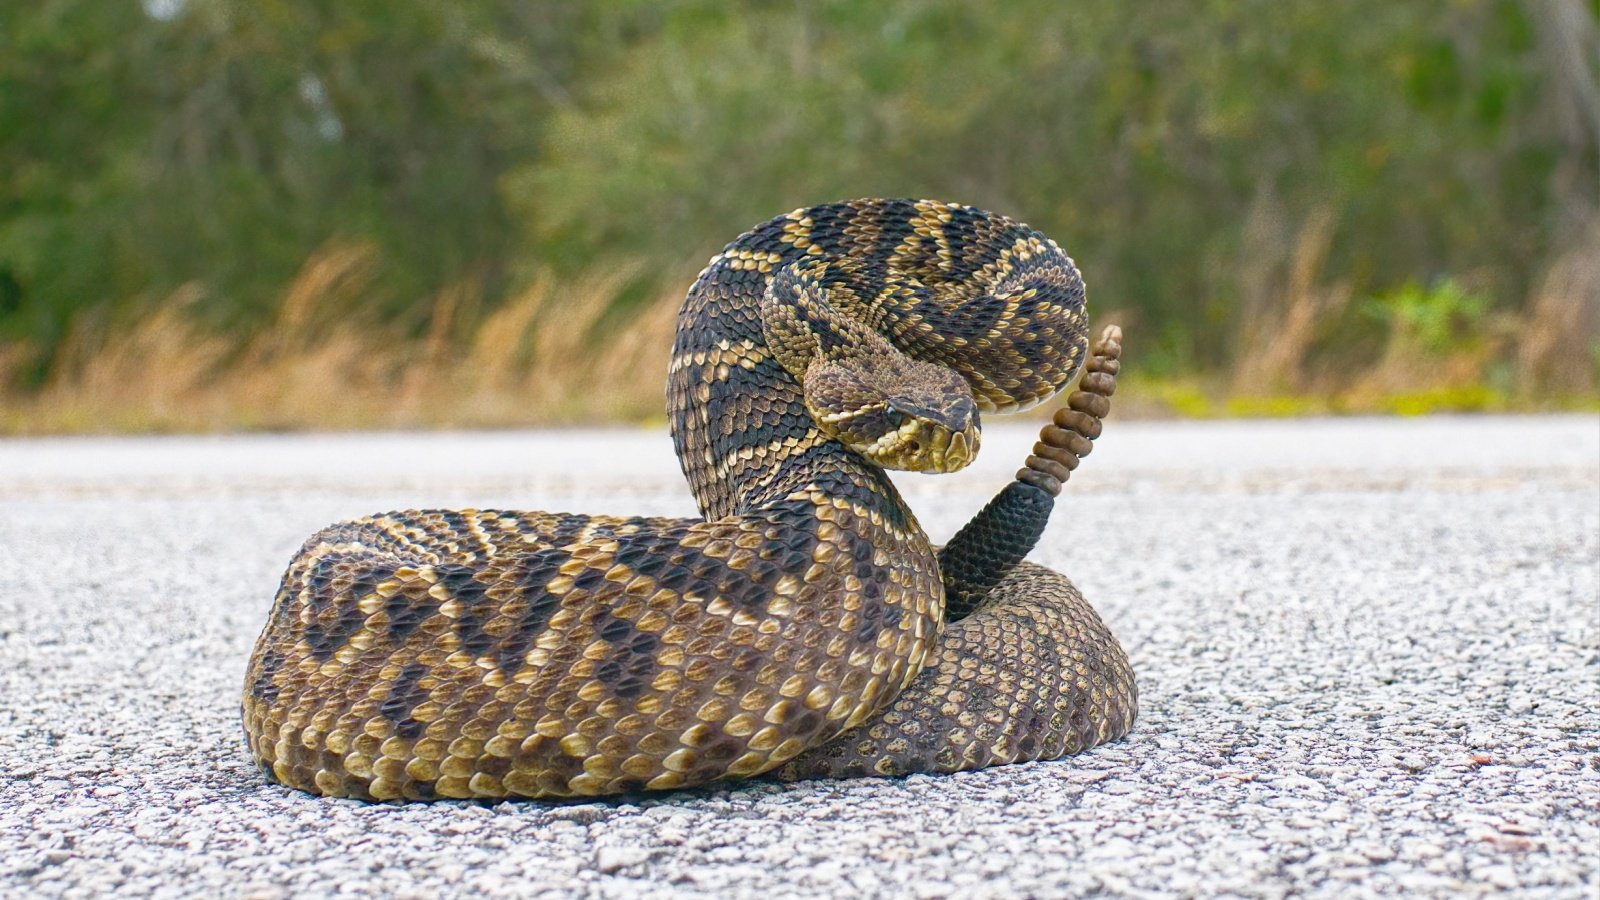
x=1544 y=358
x=1562 y=335
x=1275 y=340
x=538 y=359
x=560 y=353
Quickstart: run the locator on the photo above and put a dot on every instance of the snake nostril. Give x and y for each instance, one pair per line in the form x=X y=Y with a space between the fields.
x=914 y=446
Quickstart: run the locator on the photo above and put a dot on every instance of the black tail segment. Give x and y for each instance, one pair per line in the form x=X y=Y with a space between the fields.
x=990 y=545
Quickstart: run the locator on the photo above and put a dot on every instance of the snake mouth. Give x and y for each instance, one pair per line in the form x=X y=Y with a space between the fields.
x=951 y=452
x=919 y=447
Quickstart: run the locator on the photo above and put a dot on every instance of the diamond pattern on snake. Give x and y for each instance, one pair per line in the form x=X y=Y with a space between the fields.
x=803 y=625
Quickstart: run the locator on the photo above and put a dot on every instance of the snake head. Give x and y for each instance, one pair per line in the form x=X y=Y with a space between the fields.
x=898 y=412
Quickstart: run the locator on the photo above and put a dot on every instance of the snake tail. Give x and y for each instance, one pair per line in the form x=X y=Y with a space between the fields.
x=1005 y=531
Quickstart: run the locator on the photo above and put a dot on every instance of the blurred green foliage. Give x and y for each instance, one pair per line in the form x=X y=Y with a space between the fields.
x=1435 y=319
x=1177 y=149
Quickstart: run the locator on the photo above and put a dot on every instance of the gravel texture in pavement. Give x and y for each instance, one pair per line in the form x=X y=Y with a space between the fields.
x=1368 y=653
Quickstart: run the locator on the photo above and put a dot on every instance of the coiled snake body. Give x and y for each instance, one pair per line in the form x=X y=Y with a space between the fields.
x=801 y=626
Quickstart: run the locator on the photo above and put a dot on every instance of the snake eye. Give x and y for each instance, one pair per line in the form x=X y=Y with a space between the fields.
x=895 y=418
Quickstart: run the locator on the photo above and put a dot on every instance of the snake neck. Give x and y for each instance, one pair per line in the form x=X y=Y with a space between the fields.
x=739 y=423
x=742 y=432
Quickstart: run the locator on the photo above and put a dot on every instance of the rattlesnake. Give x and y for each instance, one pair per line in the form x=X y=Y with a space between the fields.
x=804 y=625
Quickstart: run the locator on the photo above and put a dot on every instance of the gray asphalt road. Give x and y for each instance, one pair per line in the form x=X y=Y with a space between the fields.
x=1369 y=653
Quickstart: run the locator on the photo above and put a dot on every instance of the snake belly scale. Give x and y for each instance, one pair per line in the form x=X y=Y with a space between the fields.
x=798 y=627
